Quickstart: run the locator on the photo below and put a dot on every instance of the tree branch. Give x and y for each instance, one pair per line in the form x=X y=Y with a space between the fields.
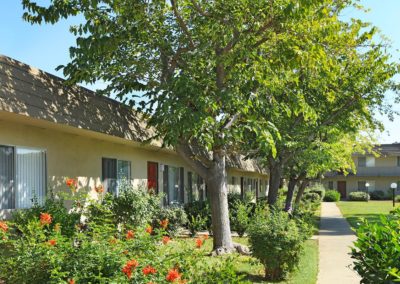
x=199 y=9
x=182 y=23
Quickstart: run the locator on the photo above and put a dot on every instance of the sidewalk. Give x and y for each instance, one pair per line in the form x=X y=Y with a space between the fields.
x=335 y=239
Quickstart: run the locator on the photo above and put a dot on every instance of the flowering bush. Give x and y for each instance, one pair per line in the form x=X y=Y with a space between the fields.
x=103 y=251
x=52 y=209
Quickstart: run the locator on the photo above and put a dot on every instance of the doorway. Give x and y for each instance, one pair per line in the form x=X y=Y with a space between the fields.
x=341 y=187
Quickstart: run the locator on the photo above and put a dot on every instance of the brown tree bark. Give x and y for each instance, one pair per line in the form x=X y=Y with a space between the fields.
x=216 y=181
x=276 y=172
x=290 y=193
x=302 y=188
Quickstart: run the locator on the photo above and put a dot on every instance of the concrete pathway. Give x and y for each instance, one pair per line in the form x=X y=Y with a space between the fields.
x=335 y=238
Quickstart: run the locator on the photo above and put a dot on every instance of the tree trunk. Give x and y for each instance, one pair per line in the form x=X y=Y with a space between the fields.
x=275 y=171
x=216 y=181
x=302 y=187
x=290 y=193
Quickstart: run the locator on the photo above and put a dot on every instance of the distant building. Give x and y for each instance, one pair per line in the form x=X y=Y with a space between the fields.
x=377 y=172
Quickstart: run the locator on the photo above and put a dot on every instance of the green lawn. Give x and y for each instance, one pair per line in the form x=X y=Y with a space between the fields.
x=254 y=272
x=354 y=211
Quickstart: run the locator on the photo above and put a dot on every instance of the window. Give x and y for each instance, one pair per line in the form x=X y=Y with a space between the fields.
x=362 y=161
x=361 y=186
x=22 y=176
x=398 y=161
x=330 y=184
x=233 y=181
x=370 y=161
x=173 y=185
x=196 y=187
x=114 y=172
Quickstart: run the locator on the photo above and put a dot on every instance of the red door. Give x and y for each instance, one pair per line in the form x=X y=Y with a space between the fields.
x=341 y=187
x=152 y=176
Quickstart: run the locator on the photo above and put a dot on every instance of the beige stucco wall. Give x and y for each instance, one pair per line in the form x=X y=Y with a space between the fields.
x=77 y=153
x=381 y=183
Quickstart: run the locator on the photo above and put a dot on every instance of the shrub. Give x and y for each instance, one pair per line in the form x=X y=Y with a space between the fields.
x=196 y=223
x=312 y=197
x=332 y=196
x=397 y=198
x=132 y=207
x=104 y=252
x=198 y=212
x=358 y=196
x=377 y=195
x=54 y=206
x=176 y=217
x=319 y=189
x=276 y=241
x=241 y=220
x=376 y=252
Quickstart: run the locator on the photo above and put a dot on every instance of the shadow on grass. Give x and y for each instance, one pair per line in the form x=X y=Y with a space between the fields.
x=356 y=219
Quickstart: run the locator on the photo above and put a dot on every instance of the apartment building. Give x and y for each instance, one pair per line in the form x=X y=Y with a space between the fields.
x=50 y=131
x=372 y=173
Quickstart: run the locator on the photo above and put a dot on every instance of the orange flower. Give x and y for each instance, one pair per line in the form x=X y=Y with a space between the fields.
x=45 y=219
x=149 y=270
x=71 y=281
x=166 y=240
x=132 y=263
x=149 y=230
x=99 y=189
x=206 y=236
x=52 y=242
x=173 y=275
x=113 y=241
x=199 y=243
x=164 y=223
x=130 y=235
x=125 y=252
x=70 y=182
x=129 y=266
x=3 y=226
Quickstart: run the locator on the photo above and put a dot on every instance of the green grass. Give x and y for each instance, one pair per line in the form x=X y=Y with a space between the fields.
x=253 y=270
x=355 y=211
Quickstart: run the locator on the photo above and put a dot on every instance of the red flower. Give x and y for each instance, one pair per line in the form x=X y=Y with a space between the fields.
x=52 y=242
x=71 y=281
x=130 y=235
x=3 y=226
x=173 y=275
x=99 y=189
x=164 y=223
x=166 y=240
x=206 y=236
x=70 y=182
x=149 y=229
x=45 y=219
x=149 y=270
x=129 y=266
x=199 y=243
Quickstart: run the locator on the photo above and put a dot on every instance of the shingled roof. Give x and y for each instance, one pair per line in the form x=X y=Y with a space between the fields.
x=28 y=91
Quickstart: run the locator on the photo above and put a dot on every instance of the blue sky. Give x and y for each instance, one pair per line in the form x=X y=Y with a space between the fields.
x=46 y=46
